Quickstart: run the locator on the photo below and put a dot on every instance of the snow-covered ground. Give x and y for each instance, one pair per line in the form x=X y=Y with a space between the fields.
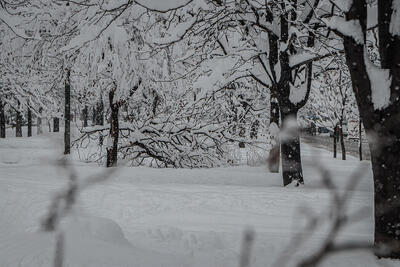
x=171 y=217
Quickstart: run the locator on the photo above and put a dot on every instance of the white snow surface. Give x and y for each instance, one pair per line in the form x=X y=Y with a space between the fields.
x=170 y=217
x=395 y=19
x=380 y=84
x=300 y=58
x=349 y=28
x=12 y=22
x=298 y=93
x=344 y=5
x=164 y=5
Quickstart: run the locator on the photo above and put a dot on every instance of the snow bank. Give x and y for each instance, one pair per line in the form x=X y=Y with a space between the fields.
x=88 y=241
x=96 y=227
x=171 y=217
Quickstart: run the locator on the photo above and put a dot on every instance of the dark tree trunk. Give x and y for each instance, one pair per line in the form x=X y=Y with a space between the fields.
x=94 y=116
x=67 y=115
x=254 y=129
x=275 y=154
x=290 y=148
x=18 y=125
x=342 y=145
x=85 y=116
x=99 y=117
x=335 y=132
x=39 y=122
x=56 y=124
x=360 y=140
x=112 y=151
x=381 y=125
x=29 y=122
x=155 y=103
x=39 y=125
x=100 y=113
x=2 y=121
x=386 y=169
x=39 y=129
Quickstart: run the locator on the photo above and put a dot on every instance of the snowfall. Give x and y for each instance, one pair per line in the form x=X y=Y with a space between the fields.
x=175 y=217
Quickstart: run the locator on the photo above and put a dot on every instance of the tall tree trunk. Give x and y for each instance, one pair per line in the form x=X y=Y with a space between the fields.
x=342 y=145
x=39 y=122
x=290 y=148
x=85 y=116
x=100 y=118
x=100 y=113
x=275 y=153
x=56 y=124
x=360 y=139
x=381 y=125
x=94 y=115
x=2 y=121
x=335 y=133
x=67 y=115
x=386 y=169
x=18 y=125
x=29 y=122
x=112 y=149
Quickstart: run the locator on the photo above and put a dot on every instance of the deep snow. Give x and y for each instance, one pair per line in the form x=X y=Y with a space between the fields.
x=170 y=217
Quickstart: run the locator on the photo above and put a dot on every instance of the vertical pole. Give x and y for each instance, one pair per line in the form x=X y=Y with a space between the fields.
x=360 y=139
x=2 y=121
x=29 y=122
x=67 y=115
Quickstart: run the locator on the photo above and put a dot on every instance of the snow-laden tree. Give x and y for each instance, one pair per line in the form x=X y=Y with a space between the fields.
x=110 y=68
x=36 y=68
x=15 y=93
x=153 y=118
x=376 y=87
x=180 y=133
x=74 y=43
x=331 y=102
x=272 y=42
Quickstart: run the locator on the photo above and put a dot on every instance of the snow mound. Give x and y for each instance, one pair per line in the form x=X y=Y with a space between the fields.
x=96 y=227
x=10 y=158
x=87 y=241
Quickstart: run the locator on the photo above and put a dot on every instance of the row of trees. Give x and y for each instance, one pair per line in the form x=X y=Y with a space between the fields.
x=163 y=73
x=332 y=104
x=153 y=114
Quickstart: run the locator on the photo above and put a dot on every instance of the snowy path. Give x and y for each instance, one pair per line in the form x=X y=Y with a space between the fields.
x=172 y=217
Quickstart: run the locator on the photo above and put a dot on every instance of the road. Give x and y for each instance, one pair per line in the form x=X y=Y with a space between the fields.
x=326 y=142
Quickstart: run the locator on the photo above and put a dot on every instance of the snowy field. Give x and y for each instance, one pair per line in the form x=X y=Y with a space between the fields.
x=172 y=217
